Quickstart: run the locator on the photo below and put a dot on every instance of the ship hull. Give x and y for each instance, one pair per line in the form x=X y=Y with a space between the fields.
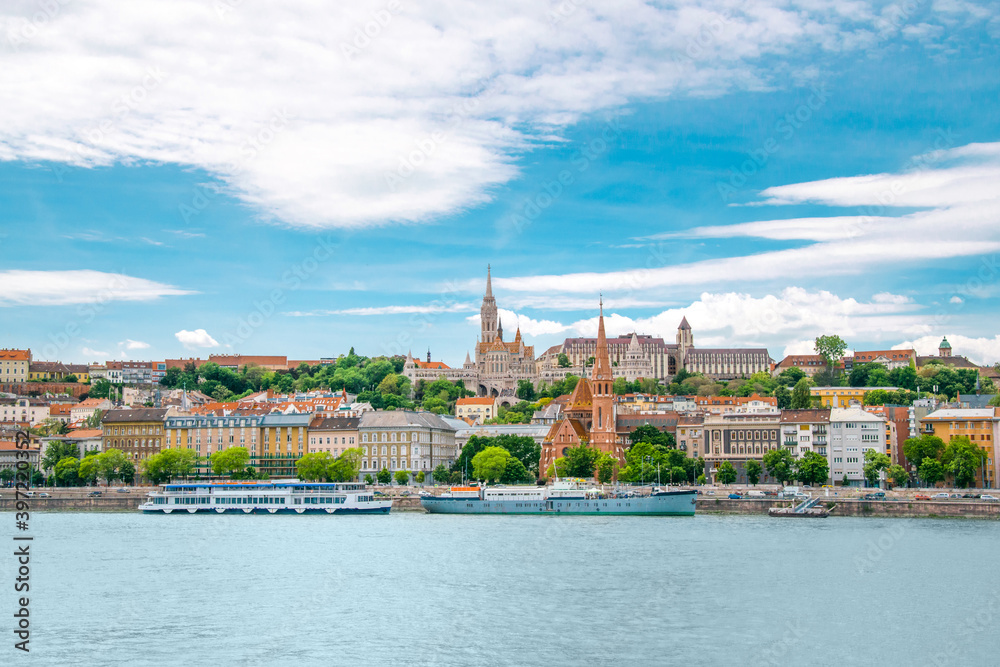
x=678 y=503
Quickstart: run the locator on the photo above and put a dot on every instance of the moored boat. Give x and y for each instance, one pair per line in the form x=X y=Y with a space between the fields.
x=272 y=497
x=562 y=497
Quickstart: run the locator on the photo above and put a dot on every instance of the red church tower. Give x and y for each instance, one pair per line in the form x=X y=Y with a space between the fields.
x=603 y=434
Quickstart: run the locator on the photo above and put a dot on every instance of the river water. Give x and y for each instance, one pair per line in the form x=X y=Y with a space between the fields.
x=417 y=589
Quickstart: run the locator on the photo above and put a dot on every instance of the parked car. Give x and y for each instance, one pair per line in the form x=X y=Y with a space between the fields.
x=122 y=490
x=28 y=494
x=44 y=495
x=921 y=496
x=988 y=497
x=735 y=496
x=93 y=494
x=878 y=495
x=828 y=486
x=755 y=494
x=940 y=495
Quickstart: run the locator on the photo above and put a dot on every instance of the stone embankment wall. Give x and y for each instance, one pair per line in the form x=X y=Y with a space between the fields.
x=851 y=507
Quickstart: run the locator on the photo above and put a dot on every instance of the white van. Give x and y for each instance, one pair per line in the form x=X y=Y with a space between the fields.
x=756 y=494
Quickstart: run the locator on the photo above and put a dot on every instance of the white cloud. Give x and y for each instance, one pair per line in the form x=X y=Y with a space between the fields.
x=326 y=128
x=198 y=338
x=130 y=344
x=982 y=351
x=60 y=288
x=957 y=188
x=94 y=355
x=956 y=299
x=529 y=327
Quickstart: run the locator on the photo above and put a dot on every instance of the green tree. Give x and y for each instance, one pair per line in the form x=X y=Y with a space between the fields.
x=875 y=463
x=346 y=467
x=384 y=476
x=402 y=477
x=801 y=397
x=931 y=471
x=832 y=349
x=606 y=465
x=112 y=464
x=783 y=396
x=515 y=473
x=490 y=464
x=922 y=447
x=812 y=469
x=779 y=464
x=90 y=469
x=56 y=452
x=963 y=459
x=369 y=479
x=725 y=473
x=313 y=466
x=525 y=390
x=420 y=477
x=230 y=460
x=7 y=476
x=563 y=360
x=441 y=474
x=753 y=470
x=581 y=461
x=897 y=475
x=455 y=477
x=100 y=388
x=67 y=471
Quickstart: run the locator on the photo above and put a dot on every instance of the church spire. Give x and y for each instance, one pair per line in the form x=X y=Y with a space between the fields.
x=488 y=312
x=602 y=362
x=489 y=282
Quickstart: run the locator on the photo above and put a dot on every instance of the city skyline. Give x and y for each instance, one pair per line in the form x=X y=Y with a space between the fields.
x=772 y=175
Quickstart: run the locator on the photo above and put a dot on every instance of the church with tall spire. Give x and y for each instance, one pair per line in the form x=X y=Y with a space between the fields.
x=590 y=416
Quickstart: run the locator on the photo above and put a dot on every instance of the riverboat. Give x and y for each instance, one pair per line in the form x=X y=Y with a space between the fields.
x=562 y=497
x=271 y=497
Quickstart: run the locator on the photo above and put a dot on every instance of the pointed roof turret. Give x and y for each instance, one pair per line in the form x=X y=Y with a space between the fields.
x=602 y=362
x=468 y=359
x=517 y=336
x=499 y=329
x=633 y=345
x=684 y=324
x=489 y=282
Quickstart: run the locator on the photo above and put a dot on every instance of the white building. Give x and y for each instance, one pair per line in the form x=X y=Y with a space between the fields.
x=852 y=432
x=31 y=410
x=405 y=440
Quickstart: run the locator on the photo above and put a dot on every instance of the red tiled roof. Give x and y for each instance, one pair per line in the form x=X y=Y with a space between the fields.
x=60 y=409
x=85 y=433
x=434 y=365
x=15 y=355
x=476 y=400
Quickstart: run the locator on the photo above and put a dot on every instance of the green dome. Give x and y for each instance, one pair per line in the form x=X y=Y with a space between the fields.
x=945 y=343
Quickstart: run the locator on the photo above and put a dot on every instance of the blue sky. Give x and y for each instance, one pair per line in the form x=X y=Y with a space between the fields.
x=249 y=180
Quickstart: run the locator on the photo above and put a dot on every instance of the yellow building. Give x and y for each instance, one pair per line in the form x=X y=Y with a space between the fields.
x=14 y=365
x=478 y=409
x=981 y=426
x=841 y=397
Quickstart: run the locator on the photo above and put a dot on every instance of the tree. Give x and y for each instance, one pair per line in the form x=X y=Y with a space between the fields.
x=831 y=348
x=491 y=463
x=606 y=465
x=753 y=470
x=67 y=471
x=875 y=463
x=931 y=471
x=402 y=477
x=127 y=472
x=963 y=459
x=783 y=396
x=779 y=463
x=525 y=390
x=313 y=466
x=897 y=475
x=384 y=476
x=995 y=401
x=230 y=460
x=7 y=476
x=111 y=464
x=922 y=447
x=56 y=452
x=101 y=388
x=812 y=469
x=441 y=474
x=420 y=477
x=725 y=473
x=369 y=479
x=455 y=477
x=515 y=473
x=90 y=469
x=346 y=467
x=801 y=397
x=581 y=461
x=652 y=435
x=563 y=360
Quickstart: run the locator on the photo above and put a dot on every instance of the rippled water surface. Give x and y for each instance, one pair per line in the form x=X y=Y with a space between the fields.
x=416 y=589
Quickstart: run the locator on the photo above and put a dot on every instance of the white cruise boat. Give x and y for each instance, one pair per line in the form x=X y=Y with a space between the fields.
x=272 y=497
